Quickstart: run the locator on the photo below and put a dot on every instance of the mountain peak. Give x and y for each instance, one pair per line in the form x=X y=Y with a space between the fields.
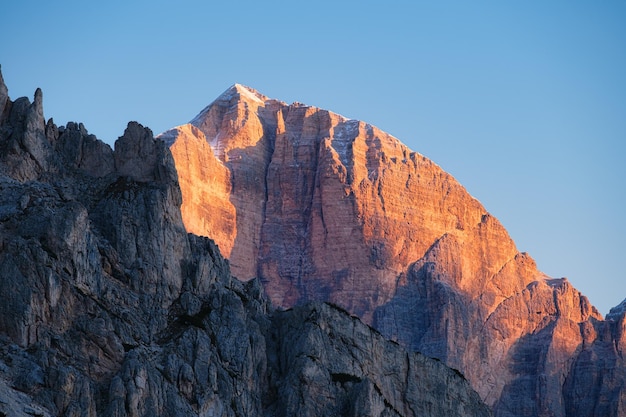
x=236 y=93
x=243 y=93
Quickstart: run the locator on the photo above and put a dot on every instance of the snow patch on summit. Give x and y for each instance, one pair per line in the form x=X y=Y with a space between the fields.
x=242 y=91
x=250 y=93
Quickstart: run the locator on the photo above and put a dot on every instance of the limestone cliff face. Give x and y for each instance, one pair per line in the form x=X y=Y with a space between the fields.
x=326 y=207
x=321 y=207
x=109 y=308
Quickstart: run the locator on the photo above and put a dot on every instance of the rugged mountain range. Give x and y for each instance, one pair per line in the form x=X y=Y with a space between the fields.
x=108 y=307
x=320 y=207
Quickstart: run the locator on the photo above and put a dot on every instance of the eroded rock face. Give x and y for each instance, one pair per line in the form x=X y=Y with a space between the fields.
x=373 y=377
x=320 y=207
x=109 y=307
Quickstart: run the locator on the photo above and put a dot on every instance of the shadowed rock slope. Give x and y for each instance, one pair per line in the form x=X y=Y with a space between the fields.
x=109 y=308
x=320 y=207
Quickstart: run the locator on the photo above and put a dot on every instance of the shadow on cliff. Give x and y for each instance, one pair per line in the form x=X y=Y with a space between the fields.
x=596 y=383
x=433 y=311
x=526 y=394
x=590 y=385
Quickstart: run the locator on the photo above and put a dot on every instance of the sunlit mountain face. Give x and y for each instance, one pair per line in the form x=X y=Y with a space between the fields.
x=321 y=207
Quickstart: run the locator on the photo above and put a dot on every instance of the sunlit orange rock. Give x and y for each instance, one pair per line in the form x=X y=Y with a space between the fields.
x=206 y=204
x=323 y=207
x=326 y=207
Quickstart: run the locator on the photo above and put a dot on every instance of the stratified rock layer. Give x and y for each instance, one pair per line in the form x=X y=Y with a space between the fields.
x=109 y=308
x=320 y=207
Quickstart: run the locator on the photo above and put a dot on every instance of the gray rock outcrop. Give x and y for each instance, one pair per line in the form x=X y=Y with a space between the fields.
x=109 y=308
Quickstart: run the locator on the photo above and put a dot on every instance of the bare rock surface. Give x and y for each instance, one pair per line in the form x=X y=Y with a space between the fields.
x=110 y=308
x=320 y=207
x=368 y=376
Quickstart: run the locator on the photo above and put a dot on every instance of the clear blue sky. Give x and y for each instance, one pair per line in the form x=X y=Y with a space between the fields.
x=524 y=102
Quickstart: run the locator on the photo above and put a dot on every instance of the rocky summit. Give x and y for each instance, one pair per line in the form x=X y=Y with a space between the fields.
x=110 y=308
x=323 y=208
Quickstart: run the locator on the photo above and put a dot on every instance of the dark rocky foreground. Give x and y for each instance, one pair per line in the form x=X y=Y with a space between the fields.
x=109 y=308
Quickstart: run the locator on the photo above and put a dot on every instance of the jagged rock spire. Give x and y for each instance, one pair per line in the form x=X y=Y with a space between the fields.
x=4 y=96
